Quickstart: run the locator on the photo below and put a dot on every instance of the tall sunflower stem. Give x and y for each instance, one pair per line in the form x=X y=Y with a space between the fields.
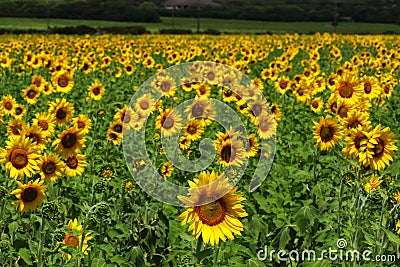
x=40 y=247
x=340 y=206
x=198 y=248
x=216 y=252
x=83 y=234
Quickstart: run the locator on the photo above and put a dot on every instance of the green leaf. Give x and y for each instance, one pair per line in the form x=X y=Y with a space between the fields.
x=119 y=260
x=25 y=254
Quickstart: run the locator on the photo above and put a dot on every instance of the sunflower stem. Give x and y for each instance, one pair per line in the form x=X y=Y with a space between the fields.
x=216 y=252
x=198 y=248
x=40 y=247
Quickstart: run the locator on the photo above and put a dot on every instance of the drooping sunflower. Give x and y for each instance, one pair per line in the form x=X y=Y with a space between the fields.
x=63 y=81
x=327 y=132
x=61 y=111
x=51 y=167
x=74 y=239
x=83 y=123
x=193 y=130
x=231 y=152
x=20 y=157
x=70 y=142
x=75 y=165
x=30 y=195
x=8 y=103
x=218 y=218
x=96 y=90
x=169 y=122
x=166 y=169
x=31 y=94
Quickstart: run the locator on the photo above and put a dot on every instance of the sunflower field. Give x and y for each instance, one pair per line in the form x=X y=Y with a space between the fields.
x=299 y=131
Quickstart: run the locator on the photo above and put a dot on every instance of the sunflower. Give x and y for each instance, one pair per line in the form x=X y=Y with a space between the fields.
x=303 y=91
x=30 y=195
x=203 y=90
x=348 y=88
x=370 y=86
x=356 y=141
x=51 y=167
x=114 y=137
x=8 y=103
x=61 y=111
x=252 y=150
x=20 y=157
x=193 y=130
x=38 y=81
x=74 y=238
x=228 y=95
x=70 y=142
x=169 y=122
x=63 y=81
x=217 y=219
x=15 y=127
x=276 y=112
x=266 y=126
x=356 y=118
x=83 y=123
x=75 y=165
x=231 y=152
x=184 y=143
x=373 y=183
x=165 y=85
x=36 y=134
x=45 y=122
x=129 y=69
x=257 y=108
x=327 y=133
x=343 y=108
x=96 y=90
x=230 y=133
x=202 y=108
x=31 y=94
x=166 y=169
x=19 y=111
x=380 y=148
x=145 y=104
x=317 y=104
x=282 y=84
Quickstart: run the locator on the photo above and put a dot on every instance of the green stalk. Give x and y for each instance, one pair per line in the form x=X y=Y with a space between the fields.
x=216 y=252
x=40 y=247
x=340 y=205
x=198 y=248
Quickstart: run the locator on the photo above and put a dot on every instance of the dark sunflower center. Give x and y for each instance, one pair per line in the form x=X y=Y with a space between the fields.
x=386 y=89
x=379 y=148
x=126 y=118
x=191 y=129
x=37 y=83
x=128 y=68
x=346 y=90
x=96 y=91
x=71 y=240
x=44 y=125
x=226 y=153
x=315 y=104
x=327 y=133
x=69 y=140
x=210 y=75
x=300 y=92
x=168 y=123
x=62 y=81
x=16 y=129
x=358 y=140
x=197 y=110
x=228 y=93
x=8 y=106
x=18 y=111
x=165 y=86
x=202 y=90
x=256 y=110
x=29 y=194
x=264 y=125
x=283 y=84
x=353 y=124
x=144 y=105
x=117 y=128
x=367 y=88
x=34 y=137
x=342 y=112
x=61 y=113
x=81 y=125
x=72 y=162
x=31 y=94
x=212 y=213
x=113 y=136
x=49 y=167
x=19 y=158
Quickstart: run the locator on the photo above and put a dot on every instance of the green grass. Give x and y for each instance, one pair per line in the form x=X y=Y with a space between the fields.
x=230 y=26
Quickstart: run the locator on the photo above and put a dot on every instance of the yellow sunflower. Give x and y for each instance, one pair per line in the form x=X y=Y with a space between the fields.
x=61 y=111
x=8 y=103
x=96 y=90
x=203 y=109
x=70 y=142
x=46 y=122
x=36 y=134
x=217 y=219
x=373 y=183
x=51 y=167
x=370 y=86
x=114 y=137
x=169 y=122
x=145 y=104
x=15 y=127
x=30 y=195
x=327 y=133
x=193 y=130
x=20 y=157
x=73 y=239
x=231 y=152
x=348 y=87
x=83 y=123
x=252 y=150
x=276 y=111
x=63 y=81
x=266 y=126
x=19 y=111
x=75 y=165
x=203 y=90
x=356 y=141
x=165 y=85
x=166 y=169
x=31 y=94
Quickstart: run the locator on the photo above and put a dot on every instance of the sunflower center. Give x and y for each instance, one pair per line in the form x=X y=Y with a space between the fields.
x=144 y=105
x=202 y=90
x=48 y=167
x=191 y=129
x=300 y=92
x=18 y=111
x=327 y=133
x=346 y=90
x=126 y=118
x=256 y=110
x=117 y=128
x=342 y=112
x=210 y=75
x=113 y=136
x=367 y=88
x=37 y=83
x=29 y=194
x=16 y=129
x=71 y=240
x=72 y=162
x=264 y=125
x=386 y=89
x=315 y=104
x=226 y=153
x=212 y=213
x=81 y=125
x=31 y=94
x=62 y=81
x=379 y=148
x=228 y=93
x=197 y=110
x=61 y=113
x=19 y=158
x=96 y=91
x=353 y=124
x=8 y=106
x=44 y=125
x=283 y=84
x=165 y=86
x=69 y=140
x=168 y=123
x=34 y=137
